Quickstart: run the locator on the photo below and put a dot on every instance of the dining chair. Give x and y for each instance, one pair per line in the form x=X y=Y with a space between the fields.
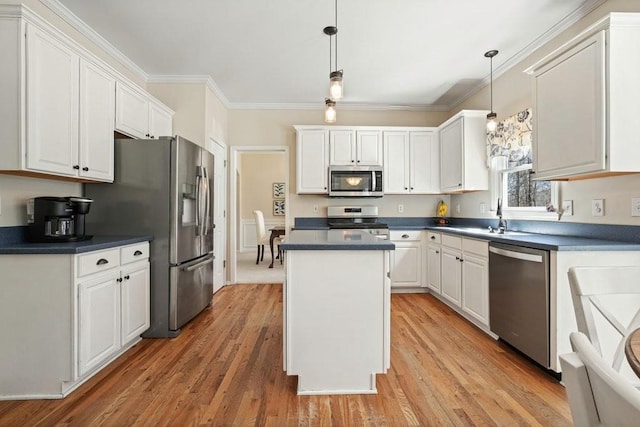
x=261 y=235
x=606 y=302
x=598 y=395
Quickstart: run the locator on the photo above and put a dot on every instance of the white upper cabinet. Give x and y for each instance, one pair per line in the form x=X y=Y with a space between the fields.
x=139 y=116
x=463 y=161
x=411 y=162
x=355 y=147
x=52 y=86
x=97 y=113
x=586 y=103
x=312 y=161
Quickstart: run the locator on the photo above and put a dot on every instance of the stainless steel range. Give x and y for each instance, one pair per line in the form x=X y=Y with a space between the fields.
x=357 y=217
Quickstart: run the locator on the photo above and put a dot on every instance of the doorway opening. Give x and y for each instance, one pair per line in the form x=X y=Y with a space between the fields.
x=259 y=181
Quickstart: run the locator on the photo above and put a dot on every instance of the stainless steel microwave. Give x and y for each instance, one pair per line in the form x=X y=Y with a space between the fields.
x=355 y=181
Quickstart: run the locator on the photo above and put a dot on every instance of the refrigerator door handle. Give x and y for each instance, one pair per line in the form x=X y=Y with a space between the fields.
x=198 y=265
x=199 y=202
x=207 y=208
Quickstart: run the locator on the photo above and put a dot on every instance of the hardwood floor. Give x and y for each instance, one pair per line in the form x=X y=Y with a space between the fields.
x=226 y=369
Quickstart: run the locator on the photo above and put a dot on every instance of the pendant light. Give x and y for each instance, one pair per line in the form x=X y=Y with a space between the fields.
x=492 y=121
x=335 y=75
x=330 y=111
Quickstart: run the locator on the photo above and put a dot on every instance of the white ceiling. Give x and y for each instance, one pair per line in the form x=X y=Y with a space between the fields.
x=414 y=54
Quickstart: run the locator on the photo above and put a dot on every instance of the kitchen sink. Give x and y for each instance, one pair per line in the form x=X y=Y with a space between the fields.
x=478 y=230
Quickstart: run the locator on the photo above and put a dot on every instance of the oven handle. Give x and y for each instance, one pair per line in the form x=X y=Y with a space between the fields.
x=516 y=255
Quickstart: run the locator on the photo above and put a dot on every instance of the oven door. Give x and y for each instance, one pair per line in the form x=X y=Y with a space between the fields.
x=355 y=181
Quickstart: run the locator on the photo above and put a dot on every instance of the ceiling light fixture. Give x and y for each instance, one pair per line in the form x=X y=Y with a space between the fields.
x=335 y=75
x=330 y=111
x=492 y=122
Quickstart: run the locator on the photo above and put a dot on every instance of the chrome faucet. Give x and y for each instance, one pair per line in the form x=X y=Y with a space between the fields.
x=502 y=223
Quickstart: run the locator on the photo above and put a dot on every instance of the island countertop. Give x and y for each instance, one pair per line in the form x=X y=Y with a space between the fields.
x=319 y=240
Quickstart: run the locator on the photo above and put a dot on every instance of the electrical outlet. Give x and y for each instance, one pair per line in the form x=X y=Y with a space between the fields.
x=482 y=207
x=597 y=207
x=635 y=206
x=567 y=207
x=315 y=208
x=0 y=206
x=400 y=208
x=458 y=208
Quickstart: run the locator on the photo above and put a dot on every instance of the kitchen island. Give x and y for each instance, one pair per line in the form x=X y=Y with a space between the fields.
x=337 y=299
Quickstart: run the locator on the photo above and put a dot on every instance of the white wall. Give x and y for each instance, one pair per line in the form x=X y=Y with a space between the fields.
x=258 y=172
x=512 y=92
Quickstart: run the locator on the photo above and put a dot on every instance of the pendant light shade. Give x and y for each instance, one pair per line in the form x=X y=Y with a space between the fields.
x=335 y=85
x=492 y=118
x=330 y=111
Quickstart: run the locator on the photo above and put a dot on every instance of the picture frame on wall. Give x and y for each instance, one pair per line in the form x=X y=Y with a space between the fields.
x=278 y=190
x=278 y=208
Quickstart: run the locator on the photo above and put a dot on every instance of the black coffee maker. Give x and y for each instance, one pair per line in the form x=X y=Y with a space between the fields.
x=57 y=219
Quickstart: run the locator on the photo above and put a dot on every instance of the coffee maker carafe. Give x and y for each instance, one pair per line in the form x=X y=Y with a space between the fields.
x=57 y=219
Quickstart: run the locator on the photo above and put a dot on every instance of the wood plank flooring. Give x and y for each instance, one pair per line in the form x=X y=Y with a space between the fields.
x=225 y=369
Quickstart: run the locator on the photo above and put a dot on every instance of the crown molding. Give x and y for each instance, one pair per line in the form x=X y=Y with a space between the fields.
x=192 y=79
x=70 y=18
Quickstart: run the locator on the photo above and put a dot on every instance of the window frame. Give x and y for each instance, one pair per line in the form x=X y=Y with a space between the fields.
x=522 y=212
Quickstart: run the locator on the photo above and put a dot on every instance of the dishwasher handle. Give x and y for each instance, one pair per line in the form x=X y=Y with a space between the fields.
x=516 y=255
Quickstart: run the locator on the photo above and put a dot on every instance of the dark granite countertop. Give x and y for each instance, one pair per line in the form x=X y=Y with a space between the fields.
x=343 y=240
x=547 y=235
x=94 y=244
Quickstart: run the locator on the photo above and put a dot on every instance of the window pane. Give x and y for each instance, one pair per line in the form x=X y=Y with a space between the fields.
x=524 y=192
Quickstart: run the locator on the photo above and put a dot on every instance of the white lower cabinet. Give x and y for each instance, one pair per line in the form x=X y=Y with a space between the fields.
x=434 y=262
x=407 y=259
x=70 y=316
x=465 y=277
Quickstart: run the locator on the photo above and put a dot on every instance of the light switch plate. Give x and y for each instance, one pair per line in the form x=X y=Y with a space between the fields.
x=567 y=207
x=635 y=206
x=597 y=207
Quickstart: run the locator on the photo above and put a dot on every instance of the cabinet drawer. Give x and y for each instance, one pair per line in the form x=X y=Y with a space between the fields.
x=94 y=262
x=433 y=237
x=134 y=253
x=401 y=236
x=452 y=241
x=478 y=247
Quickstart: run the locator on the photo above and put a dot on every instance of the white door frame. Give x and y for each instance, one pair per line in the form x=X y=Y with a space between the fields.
x=233 y=196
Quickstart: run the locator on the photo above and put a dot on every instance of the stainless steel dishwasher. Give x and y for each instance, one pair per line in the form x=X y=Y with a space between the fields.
x=519 y=298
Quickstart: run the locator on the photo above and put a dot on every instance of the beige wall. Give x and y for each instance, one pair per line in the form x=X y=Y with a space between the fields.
x=512 y=92
x=258 y=172
x=275 y=128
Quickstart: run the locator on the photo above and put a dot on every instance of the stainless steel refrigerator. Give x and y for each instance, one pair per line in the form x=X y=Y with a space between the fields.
x=163 y=188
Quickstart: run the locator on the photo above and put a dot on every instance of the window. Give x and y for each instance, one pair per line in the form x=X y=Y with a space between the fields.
x=509 y=153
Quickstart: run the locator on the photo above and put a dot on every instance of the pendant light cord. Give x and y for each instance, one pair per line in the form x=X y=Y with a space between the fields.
x=336 y=35
x=491 y=62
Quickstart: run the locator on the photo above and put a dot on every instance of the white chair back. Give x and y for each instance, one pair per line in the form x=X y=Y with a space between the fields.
x=261 y=230
x=606 y=301
x=597 y=394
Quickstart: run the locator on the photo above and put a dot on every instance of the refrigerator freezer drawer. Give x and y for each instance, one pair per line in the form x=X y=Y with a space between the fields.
x=191 y=290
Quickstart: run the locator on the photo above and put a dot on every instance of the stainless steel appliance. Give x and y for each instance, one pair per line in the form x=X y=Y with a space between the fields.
x=355 y=181
x=57 y=219
x=519 y=298
x=163 y=187
x=357 y=217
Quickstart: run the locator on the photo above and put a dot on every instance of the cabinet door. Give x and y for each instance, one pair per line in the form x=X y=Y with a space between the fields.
x=52 y=105
x=570 y=112
x=451 y=275
x=160 y=121
x=135 y=298
x=369 y=148
x=433 y=268
x=475 y=287
x=97 y=116
x=132 y=112
x=99 y=320
x=407 y=271
x=342 y=147
x=312 y=161
x=424 y=163
x=396 y=155
x=451 y=178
